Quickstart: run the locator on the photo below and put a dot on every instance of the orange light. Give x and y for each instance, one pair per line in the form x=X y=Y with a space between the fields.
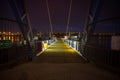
x=12 y=39
x=7 y=38
x=3 y=32
x=3 y=37
x=12 y=33
x=9 y=33
x=6 y=33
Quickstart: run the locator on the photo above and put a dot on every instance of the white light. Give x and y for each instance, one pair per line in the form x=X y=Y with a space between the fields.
x=35 y=38
x=65 y=37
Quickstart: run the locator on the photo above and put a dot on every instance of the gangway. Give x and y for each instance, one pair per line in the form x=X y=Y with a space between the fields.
x=59 y=52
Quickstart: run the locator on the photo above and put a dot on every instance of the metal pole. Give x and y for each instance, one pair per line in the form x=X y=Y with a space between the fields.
x=51 y=26
x=68 y=20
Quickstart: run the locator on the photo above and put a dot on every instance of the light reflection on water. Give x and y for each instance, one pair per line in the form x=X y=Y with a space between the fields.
x=13 y=39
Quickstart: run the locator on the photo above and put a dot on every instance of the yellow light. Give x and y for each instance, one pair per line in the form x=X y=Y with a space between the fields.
x=25 y=42
x=45 y=45
x=3 y=37
x=12 y=39
x=9 y=38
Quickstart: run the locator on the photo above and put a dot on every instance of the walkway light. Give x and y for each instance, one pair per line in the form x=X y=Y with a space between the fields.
x=45 y=45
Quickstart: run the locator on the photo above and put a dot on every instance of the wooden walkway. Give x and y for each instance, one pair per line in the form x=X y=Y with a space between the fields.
x=58 y=62
x=59 y=52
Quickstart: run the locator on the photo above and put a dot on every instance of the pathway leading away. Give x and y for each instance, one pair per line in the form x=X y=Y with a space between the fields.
x=60 y=52
x=58 y=62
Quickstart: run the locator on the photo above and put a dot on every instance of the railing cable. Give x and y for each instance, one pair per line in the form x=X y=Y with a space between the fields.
x=68 y=20
x=50 y=20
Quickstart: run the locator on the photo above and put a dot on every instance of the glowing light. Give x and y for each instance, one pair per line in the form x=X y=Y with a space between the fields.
x=12 y=34
x=9 y=33
x=3 y=32
x=9 y=37
x=70 y=42
x=45 y=45
x=65 y=37
x=74 y=44
x=25 y=42
x=35 y=38
x=3 y=37
x=12 y=39
x=47 y=41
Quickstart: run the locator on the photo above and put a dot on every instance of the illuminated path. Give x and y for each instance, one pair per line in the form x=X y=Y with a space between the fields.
x=58 y=62
x=60 y=52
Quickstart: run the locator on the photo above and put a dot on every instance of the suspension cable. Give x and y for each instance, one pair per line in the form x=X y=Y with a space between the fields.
x=48 y=9
x=68 y=20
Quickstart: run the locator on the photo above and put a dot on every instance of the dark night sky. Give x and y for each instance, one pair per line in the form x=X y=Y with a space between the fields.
x=59 y=12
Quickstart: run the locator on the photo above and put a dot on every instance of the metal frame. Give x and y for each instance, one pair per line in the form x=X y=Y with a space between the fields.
x=93 y=14
x=21 y=15
x=95 y=8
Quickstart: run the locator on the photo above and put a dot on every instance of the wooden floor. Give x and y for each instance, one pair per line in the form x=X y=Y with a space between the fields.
x=59 y=52
x=58 y=62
